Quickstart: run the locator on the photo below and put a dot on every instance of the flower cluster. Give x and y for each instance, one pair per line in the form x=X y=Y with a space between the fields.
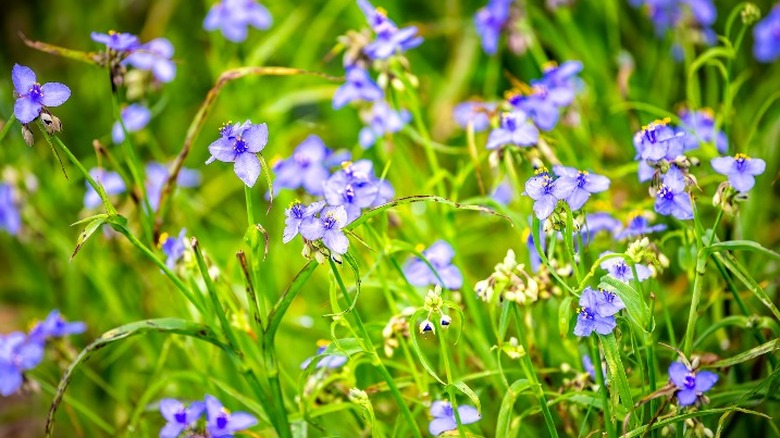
x=597 y=312
x=20 y=352
x=239 y=144
x=694 y=16
x=545 y=97
x=219 y=421
x=444 y=273
x=509 y=281
x=435 y=305
x=233 y=18
x=570 y=185
x=308 y=166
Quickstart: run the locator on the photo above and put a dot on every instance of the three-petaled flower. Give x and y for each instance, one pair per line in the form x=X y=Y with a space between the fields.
x=223 y=423
x=154 y=56
x=116 y=41
x=514 y=129
x=295 y=215
x=240 y=144
x=741 y=170
x=307 y=167
x=690 y=385
x=359 y=86
x=490 y=20
x=32 y=97
x=546 y=191
x=621 y=270
x=178 y=416
x=444 y=416
x=440 y=256
x=584 y=183
x=671 y=198
x=389 y=38
x=233 y=17
x=597 y=312
x=328 y=227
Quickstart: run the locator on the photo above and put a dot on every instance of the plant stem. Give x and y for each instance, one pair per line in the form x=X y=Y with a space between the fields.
x=7 y=126
x=596 y=359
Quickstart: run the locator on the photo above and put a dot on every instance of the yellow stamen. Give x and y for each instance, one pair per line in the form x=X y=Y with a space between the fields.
x=419 y=248
x=163 y=238
x=322 y=343
x=741 y=156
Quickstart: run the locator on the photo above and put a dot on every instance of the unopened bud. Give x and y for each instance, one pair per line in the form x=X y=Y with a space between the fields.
x=427 y=327
x=445 y=321
x=51 y=123
x=750 y=14
x=28 y=135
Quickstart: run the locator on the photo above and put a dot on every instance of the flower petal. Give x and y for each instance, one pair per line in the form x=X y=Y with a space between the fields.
x=23 y=78
x=247 y=168
x=54 y=94
x=26 y=110
x=544 y=206
x=169 y=407
x=677 y=373
x=723 y=165
x=241 y=420
x=171 y=430
x=468 y=414
x=256 y=137
x=705 y=380
x=686 y=397
x=222 y=150
x=336 y=241
x=441 y=425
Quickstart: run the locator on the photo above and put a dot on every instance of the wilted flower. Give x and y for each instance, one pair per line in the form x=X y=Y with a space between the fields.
x=307 y=167
x=332 y=361
x=490 y=20
x=154 y=56
x=672 y=199
x=32 y=97
x=55 y=326
x=18 y=353
x=440 y=256
x=111 y=181
x=240 y=144
x=389 y=38
x=690 y=385
x=178 y=416
x=766 y=37
x=515 y=129
x=478 y=113
x=741 y=170
x=117 y=41
x=359 y=86
x=444 y=416
x=382 y=119
x=135 y=117
x=223 y=423
x=233 y=17
x=10 y=220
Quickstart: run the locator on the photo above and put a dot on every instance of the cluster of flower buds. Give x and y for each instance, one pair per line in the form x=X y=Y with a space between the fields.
x=643 y=251
x=509 y=281
x=435 y=306
x=396 y=328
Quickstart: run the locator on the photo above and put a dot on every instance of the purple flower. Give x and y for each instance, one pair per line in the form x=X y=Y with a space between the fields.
x=331 y=361
x=307 y=167
x=223 y=423
x=240 y=144
x=352 y=187
x=478 y=113
x=639 y=225
x=700 y=127
x=584 y=184
x=385 y=192
x=178 y=416
x=766 y=37
x=740 y=169
x=618 y=268
x=440 y=256
x=295 y=215
x=233 y=17
x=555 y=90
x=154 y=56
x=668 y=14
x=444 y=416
x=111 y=181
x=389 y=39
x=598 y=222
x=117 y=41
x=690 y=385
x=672 y=199
x=658 y=141
x=18 y=353
x=32 y=97
x=10 y=220
x=597 y=312
x=157 y=175
x=490 y=20
x=587 y=363
x=503 y=193
x=328 y=227
x=359 y=86
x=382 y=120
x=514 y=129
x=55 y=326
x=173 y=247
x=135 y=117
x=546 y=192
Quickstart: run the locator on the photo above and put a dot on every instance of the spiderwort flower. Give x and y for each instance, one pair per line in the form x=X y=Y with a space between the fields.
x=295 y=215
x=233 y=17
x=546 y=192
x=478 y=113
x=32 y=97
x=156 y=177
x=514 y=129
x=657 y=141
x=353 y=187
x=117 y=41
x=444 y=416
x=223 y=423
x=619 y=269
x=690 y=385
x=111 y=181
x=490 y=20
x=331 y=361
x=178 y=416
x=173 y=247
x=440 y=256
x=55 y=326
x=18 y=353
x=135 y=117
x=389 y=39
x=240 y=144
x=585 y=184
x=741 y=170
x=503 y=193
x=598 y=222
x=766 y=37
x=672 y=199
x=307 y=167
x=382 y=120
x=154 y=56
x=596 y=312
x=700 y=127
x=637 y=226
x=10 y=220
x=328 y=227
x=359 y=86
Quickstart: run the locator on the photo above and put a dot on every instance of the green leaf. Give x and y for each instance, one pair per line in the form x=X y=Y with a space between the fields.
x=617 y=373
x=564 y=316
x=733 y=265
x=747 y=245
x=87 y=232
x=507 y=406
x=414 y=320
x=768 y=347
x=465 y=389
x=164 y=325
x=637 y=309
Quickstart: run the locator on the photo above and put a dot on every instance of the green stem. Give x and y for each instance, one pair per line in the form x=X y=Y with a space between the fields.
x=254 y=248
x=609 y=422
x=7 y=126
x=450 y=387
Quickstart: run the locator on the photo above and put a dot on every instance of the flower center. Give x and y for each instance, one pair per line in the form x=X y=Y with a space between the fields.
x=582 y=178
x=35 y=92
x=329 y=222
x=651 y=130
x=587 y=313
x=239 y=145
x=665 y=193
x=349 y=193
x=510 y=122
x=181 y=416
x=302 y=160
x=540 y=90
x=621 y=269
x=690 y=381
x=741 y=159
x=609 y=296
x=297 y=210
x=222 y=420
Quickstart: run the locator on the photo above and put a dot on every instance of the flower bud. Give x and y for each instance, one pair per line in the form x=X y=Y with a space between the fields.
x=51 y=122
x=445 y=321
x=427 y=327
x=28 y=135
x=750 y=14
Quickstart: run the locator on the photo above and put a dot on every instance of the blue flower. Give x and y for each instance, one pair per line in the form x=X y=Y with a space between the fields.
x=135 y=117
x=639 y=225
x=584 y=183
x=359 y=86
x=331 y=361
x=157 y=175
x=766 y=37
x=18 y=353
x=672 y=199
x=117 y=41
x=490 y=20
x=478 y=113
x=690 y=385
x=587 y=363
x=515 y=129
x=178 y=416
x=740 y=169
x=440 y=255
x=111 y=181
x=444 y=416
x=295 y=215
x=10 y=220
x=385 y=192
x=669 y=14
x=597 y=312
x=546 y=96
x=547 y=191
x=328 y=227
x=173 y=247
x=700 y=127
x=154 y=56
x=307 y=167
x=389 y=39
x=382 y=120
x=352 y=187
x=223 y=423
x=233 y=17
x=657 y=141
x=240 y=144
x=619 y=269
x=598 y=222
x=503 y=193
x=32 y=97
x=55 y=326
